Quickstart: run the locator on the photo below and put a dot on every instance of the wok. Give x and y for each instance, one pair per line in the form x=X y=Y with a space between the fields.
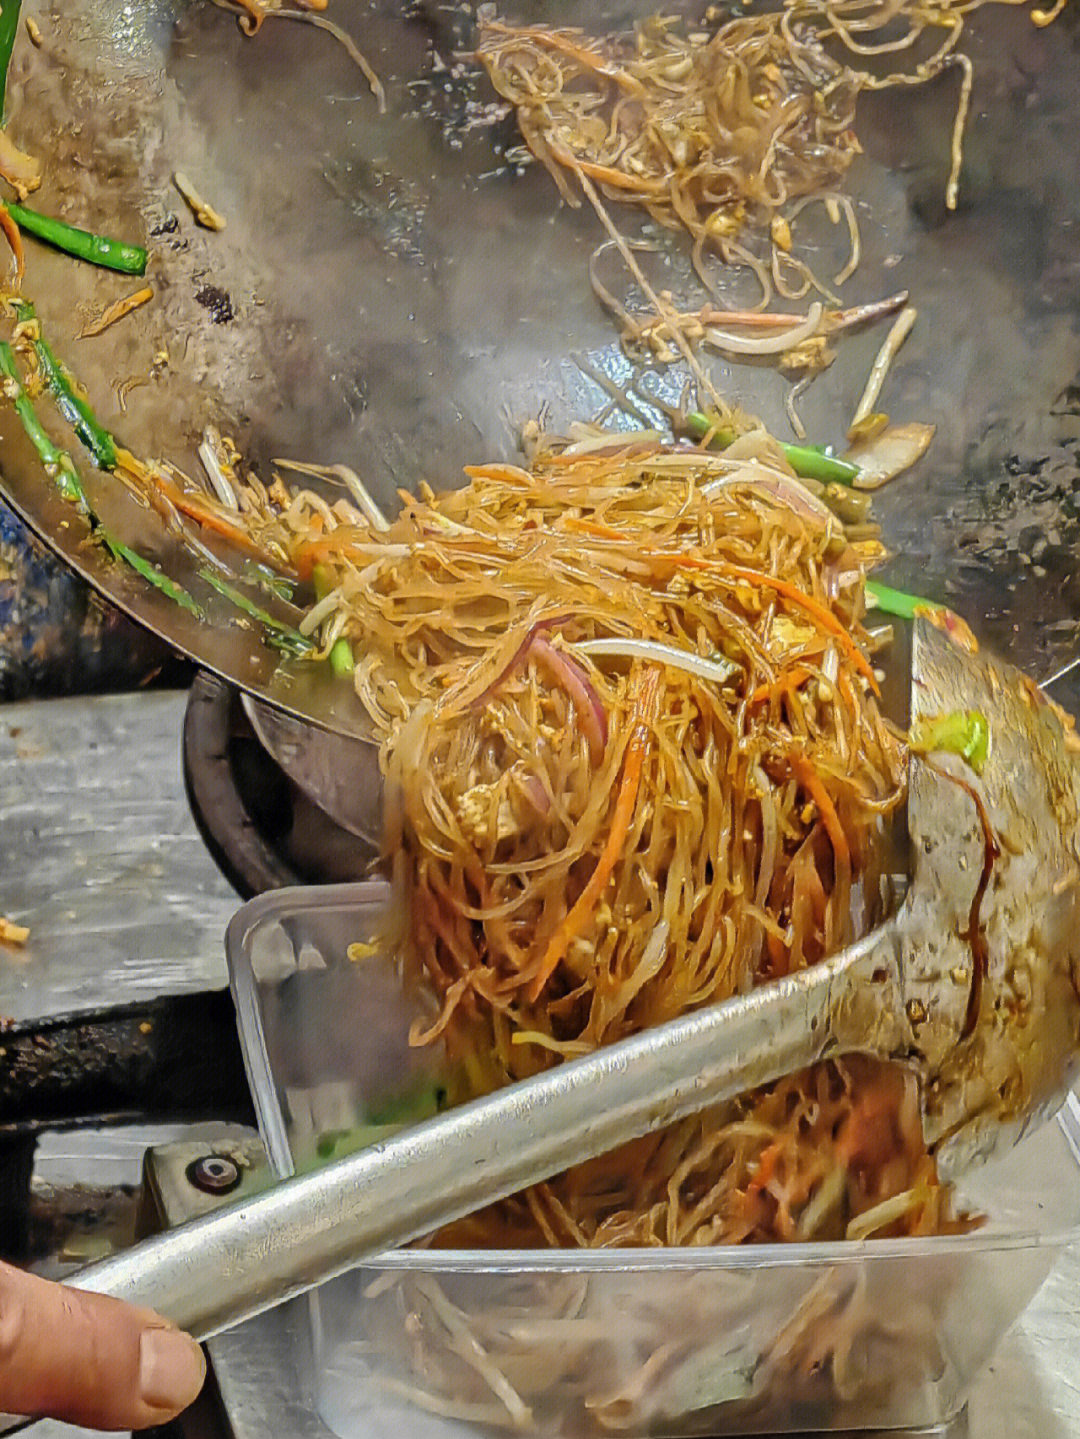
x=393 y=293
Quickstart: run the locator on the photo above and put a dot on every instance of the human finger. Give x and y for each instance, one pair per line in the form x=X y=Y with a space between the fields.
x=88 y=1359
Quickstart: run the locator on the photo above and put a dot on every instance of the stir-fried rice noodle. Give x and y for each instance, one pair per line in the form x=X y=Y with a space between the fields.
x=727 y=129
x=635 y=765
x=252 y=13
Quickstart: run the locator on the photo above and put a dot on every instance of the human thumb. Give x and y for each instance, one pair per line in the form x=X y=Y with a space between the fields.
x=88 y=1359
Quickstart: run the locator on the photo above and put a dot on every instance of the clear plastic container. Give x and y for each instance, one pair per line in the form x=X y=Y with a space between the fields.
x=882 y=1334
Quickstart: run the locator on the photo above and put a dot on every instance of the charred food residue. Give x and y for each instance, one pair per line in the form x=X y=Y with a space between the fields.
x=216 y=300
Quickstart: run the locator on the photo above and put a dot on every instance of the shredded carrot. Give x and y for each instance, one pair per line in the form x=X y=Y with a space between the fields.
x=14 y=238
x=591 y=527
x=217 y=525
x=307 y=555
x=588 y=59
x=117 y=311
x=209 y=518
x=824 y=617
x=779 y=958
x=605 y=175
x=807 y=776
x=766 y=1165
x=790 y=679
x=500 y=474
x=642 y=715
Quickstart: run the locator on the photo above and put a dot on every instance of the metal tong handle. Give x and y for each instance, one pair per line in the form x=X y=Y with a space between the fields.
x=230 y=1265
x=243 y=1258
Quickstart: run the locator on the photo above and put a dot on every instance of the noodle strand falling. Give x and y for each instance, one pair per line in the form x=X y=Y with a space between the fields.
x=634 y=765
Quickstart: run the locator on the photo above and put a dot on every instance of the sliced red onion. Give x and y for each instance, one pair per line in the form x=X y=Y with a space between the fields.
x=519 y=654
x=889 y=454
x=778 y=486
x=773 y=344
x=537 y=795
x=589 y=706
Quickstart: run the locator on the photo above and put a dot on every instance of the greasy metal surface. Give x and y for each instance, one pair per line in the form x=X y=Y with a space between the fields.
x=175 y=1057
x=100 y=858
x=1024 y=1046
x=263 y=831
x=388 y=293
x=337 y=772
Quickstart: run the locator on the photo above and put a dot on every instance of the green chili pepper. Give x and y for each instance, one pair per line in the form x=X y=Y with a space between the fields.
x=284 y=636
x=899 y=602
x=83 y=244
x=150 y=572
x=808 y=461
x=962 y=732
x=341 y=658
x=71 y=404
x=9 y=29
x=55 y=460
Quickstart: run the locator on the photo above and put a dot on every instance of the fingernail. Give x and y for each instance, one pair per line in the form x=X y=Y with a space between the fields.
x=171 y=1369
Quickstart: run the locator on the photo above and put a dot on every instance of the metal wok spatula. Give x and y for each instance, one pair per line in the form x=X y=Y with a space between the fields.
x=974 y=983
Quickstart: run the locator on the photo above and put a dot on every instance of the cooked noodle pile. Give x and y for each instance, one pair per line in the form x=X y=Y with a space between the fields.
x=730 y=129
x=634 y=766
x=709 y=134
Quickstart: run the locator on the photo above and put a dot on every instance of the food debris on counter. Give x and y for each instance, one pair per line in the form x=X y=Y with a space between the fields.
x=116 y=311
x=205 y=214
x=12 y=933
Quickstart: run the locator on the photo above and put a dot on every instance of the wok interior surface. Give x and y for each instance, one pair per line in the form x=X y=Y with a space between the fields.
x=391 y=293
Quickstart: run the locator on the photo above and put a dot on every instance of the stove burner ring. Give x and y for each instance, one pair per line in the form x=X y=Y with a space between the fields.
x=263 y=832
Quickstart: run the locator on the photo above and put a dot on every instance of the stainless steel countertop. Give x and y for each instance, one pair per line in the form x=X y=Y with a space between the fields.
x=99 y=855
